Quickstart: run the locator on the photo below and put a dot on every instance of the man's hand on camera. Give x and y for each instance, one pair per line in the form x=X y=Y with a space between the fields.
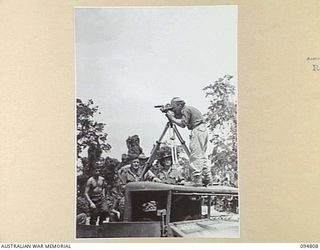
x=170 y=114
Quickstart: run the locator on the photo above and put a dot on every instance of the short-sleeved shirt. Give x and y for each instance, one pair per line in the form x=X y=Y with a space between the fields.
x=191 y=117
x=172 y=176
x=126 y=175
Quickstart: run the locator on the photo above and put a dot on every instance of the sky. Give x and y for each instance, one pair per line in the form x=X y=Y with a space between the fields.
x=130 y=59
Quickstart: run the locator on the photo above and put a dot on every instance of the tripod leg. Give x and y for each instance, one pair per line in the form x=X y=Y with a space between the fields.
x=183 y=143
x=175 y=154
x=154 y=151
x=173 y=146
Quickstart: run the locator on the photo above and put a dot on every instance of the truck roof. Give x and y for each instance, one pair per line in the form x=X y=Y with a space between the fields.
x=154 y=186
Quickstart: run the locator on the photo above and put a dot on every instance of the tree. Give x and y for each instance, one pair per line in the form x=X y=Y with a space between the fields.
x=90 y=135
x=222 y=122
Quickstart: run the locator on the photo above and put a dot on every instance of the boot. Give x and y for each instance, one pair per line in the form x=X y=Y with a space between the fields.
x=207 y=177
x=197 y=181
x=207 y=182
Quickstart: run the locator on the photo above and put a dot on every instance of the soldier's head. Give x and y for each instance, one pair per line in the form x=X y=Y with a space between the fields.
x=177 y=104
x=143 y=158
x=96 y=172
x=100 y=162
x=166 y=160
x=135 y=163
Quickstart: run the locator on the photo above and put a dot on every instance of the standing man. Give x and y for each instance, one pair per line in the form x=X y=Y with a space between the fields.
x=95 y=194
x=190 y=117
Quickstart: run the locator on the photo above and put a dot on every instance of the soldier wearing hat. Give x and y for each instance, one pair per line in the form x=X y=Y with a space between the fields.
x=190 y=117
x=132 y=173
x=166 y=172
x=143 y=159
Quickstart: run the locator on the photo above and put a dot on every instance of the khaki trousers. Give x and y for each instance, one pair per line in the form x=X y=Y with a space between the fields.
x=198 y=159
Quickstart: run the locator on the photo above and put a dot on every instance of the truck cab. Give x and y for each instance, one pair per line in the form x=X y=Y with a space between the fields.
x=163 y=210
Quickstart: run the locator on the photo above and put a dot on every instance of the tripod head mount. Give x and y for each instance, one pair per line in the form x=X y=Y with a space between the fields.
x=165 y=109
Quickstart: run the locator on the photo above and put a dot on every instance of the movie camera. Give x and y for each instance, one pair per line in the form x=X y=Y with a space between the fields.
x=164 y=108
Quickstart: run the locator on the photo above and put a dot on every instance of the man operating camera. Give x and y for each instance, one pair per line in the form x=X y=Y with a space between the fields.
x=190 y=117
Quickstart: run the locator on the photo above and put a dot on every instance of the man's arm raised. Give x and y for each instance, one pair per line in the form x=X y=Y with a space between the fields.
x=180 y=122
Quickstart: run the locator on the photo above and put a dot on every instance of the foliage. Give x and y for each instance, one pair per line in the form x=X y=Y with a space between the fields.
x=82 y=205
x=110 y=172
x=222 y=122
x=90 y=135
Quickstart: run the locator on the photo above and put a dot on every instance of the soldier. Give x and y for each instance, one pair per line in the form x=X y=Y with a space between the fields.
x=132 y=172
x=168 y=173
x=190 y=117
x=95 y=194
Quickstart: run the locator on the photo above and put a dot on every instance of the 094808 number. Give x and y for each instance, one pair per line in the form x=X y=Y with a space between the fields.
x=309 y=246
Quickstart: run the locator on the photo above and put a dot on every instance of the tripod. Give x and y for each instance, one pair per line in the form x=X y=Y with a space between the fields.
x=173 y=128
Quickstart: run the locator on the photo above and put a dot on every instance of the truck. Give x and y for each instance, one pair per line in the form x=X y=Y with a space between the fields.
x=163 y=210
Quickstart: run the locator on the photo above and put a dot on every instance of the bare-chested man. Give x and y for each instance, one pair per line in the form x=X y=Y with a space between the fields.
x=95 y=193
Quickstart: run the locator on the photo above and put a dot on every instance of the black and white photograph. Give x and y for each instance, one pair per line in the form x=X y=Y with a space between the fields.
x=156 y=122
